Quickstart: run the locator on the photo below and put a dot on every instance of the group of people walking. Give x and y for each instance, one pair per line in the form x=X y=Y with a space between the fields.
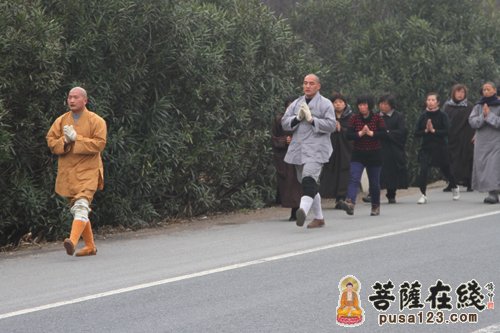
x=322 y=146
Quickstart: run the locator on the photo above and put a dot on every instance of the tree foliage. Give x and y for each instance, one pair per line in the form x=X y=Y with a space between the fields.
x=406 y=47
x=188 y=90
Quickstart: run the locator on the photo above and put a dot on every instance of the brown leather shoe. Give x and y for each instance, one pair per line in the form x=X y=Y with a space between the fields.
x=316 y=223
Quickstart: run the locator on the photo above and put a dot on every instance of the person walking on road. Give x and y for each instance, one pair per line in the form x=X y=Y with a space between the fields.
x=394 y=174
x=460 y=145
x=312 y=120
x=289 y=189
x=78 y=138
x=485 y=119
x=367 y=129
x=335 y=175
x=432 y=127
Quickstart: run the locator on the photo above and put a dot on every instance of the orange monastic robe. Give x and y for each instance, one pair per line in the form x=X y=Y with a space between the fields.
x=80 y=170
x=349 y=307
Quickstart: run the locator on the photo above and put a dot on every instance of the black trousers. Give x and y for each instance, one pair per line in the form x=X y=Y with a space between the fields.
x=425 y=167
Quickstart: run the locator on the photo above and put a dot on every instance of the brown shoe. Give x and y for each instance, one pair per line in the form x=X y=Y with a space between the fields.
x=375 y=210
x=69 y=246
x=301 y=217
x=87 y=251
x=316 y=223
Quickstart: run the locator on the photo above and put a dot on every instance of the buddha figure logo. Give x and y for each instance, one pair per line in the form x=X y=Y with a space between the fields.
x=349 y=311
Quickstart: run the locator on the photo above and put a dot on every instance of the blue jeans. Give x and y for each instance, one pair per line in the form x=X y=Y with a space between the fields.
x=373 y=180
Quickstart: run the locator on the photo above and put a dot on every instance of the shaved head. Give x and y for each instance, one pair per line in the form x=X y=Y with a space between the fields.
x=80 y=90
x=77 y=99
x=313 y=77
x=311 y=85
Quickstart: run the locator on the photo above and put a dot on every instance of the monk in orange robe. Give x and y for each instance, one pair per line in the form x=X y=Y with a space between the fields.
x=78 y=137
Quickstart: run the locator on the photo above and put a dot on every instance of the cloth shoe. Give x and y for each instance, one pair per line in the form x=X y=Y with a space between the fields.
x=316 y=223
x=301 y=217
x=456 y=193
x=88 y=237
x=348 y=207
x=367 y=199
x=422 y=200
x=305 y=205
x=375 y=210
x=392 y=200
x=492 y=197
x=76 y=231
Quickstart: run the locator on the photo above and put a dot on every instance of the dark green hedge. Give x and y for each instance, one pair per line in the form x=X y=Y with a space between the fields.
x=188 y=90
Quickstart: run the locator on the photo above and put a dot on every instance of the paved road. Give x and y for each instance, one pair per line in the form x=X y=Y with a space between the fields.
x=261 y=276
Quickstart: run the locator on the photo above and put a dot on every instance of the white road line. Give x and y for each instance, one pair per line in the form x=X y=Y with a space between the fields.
x=236 y=266
x=489 y=329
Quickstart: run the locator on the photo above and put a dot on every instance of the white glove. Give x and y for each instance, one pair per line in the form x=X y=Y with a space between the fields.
x=69 y=133
x=307 y=112
x=300 y=115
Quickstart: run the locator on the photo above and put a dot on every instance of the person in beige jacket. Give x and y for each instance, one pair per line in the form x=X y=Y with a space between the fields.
x=78 y=137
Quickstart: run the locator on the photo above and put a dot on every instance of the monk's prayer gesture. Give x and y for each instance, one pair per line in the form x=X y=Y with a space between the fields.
x=69 y=133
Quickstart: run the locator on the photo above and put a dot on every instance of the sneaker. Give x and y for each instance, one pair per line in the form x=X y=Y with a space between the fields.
x=456 y=193
x=316 y=223
x=348 y=206
x=422 y=200
x=301 y=217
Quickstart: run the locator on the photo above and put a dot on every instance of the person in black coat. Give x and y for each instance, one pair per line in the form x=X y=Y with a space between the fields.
x=289 y=189
x=394 y=173
x=335 y=176
x=432 y=127
x=461 y=135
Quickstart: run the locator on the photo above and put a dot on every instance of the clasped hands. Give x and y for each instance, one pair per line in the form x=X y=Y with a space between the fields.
x=486 y=110
x=305 y=113
x=365 y=131
x=429 y=128
x=69 y=133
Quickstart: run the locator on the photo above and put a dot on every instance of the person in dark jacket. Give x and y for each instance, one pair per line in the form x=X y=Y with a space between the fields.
x=433 y=126
x=366 y=129
x=289 y=188
x=335 y=176
x=460 y=146
x=394 y=173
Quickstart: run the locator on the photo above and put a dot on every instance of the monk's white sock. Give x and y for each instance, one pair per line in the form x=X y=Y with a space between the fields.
x=306 y=203
x=316 y=207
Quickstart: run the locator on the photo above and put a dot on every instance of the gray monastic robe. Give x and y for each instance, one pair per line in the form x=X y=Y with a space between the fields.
x=486 y=168
x=310 y=143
